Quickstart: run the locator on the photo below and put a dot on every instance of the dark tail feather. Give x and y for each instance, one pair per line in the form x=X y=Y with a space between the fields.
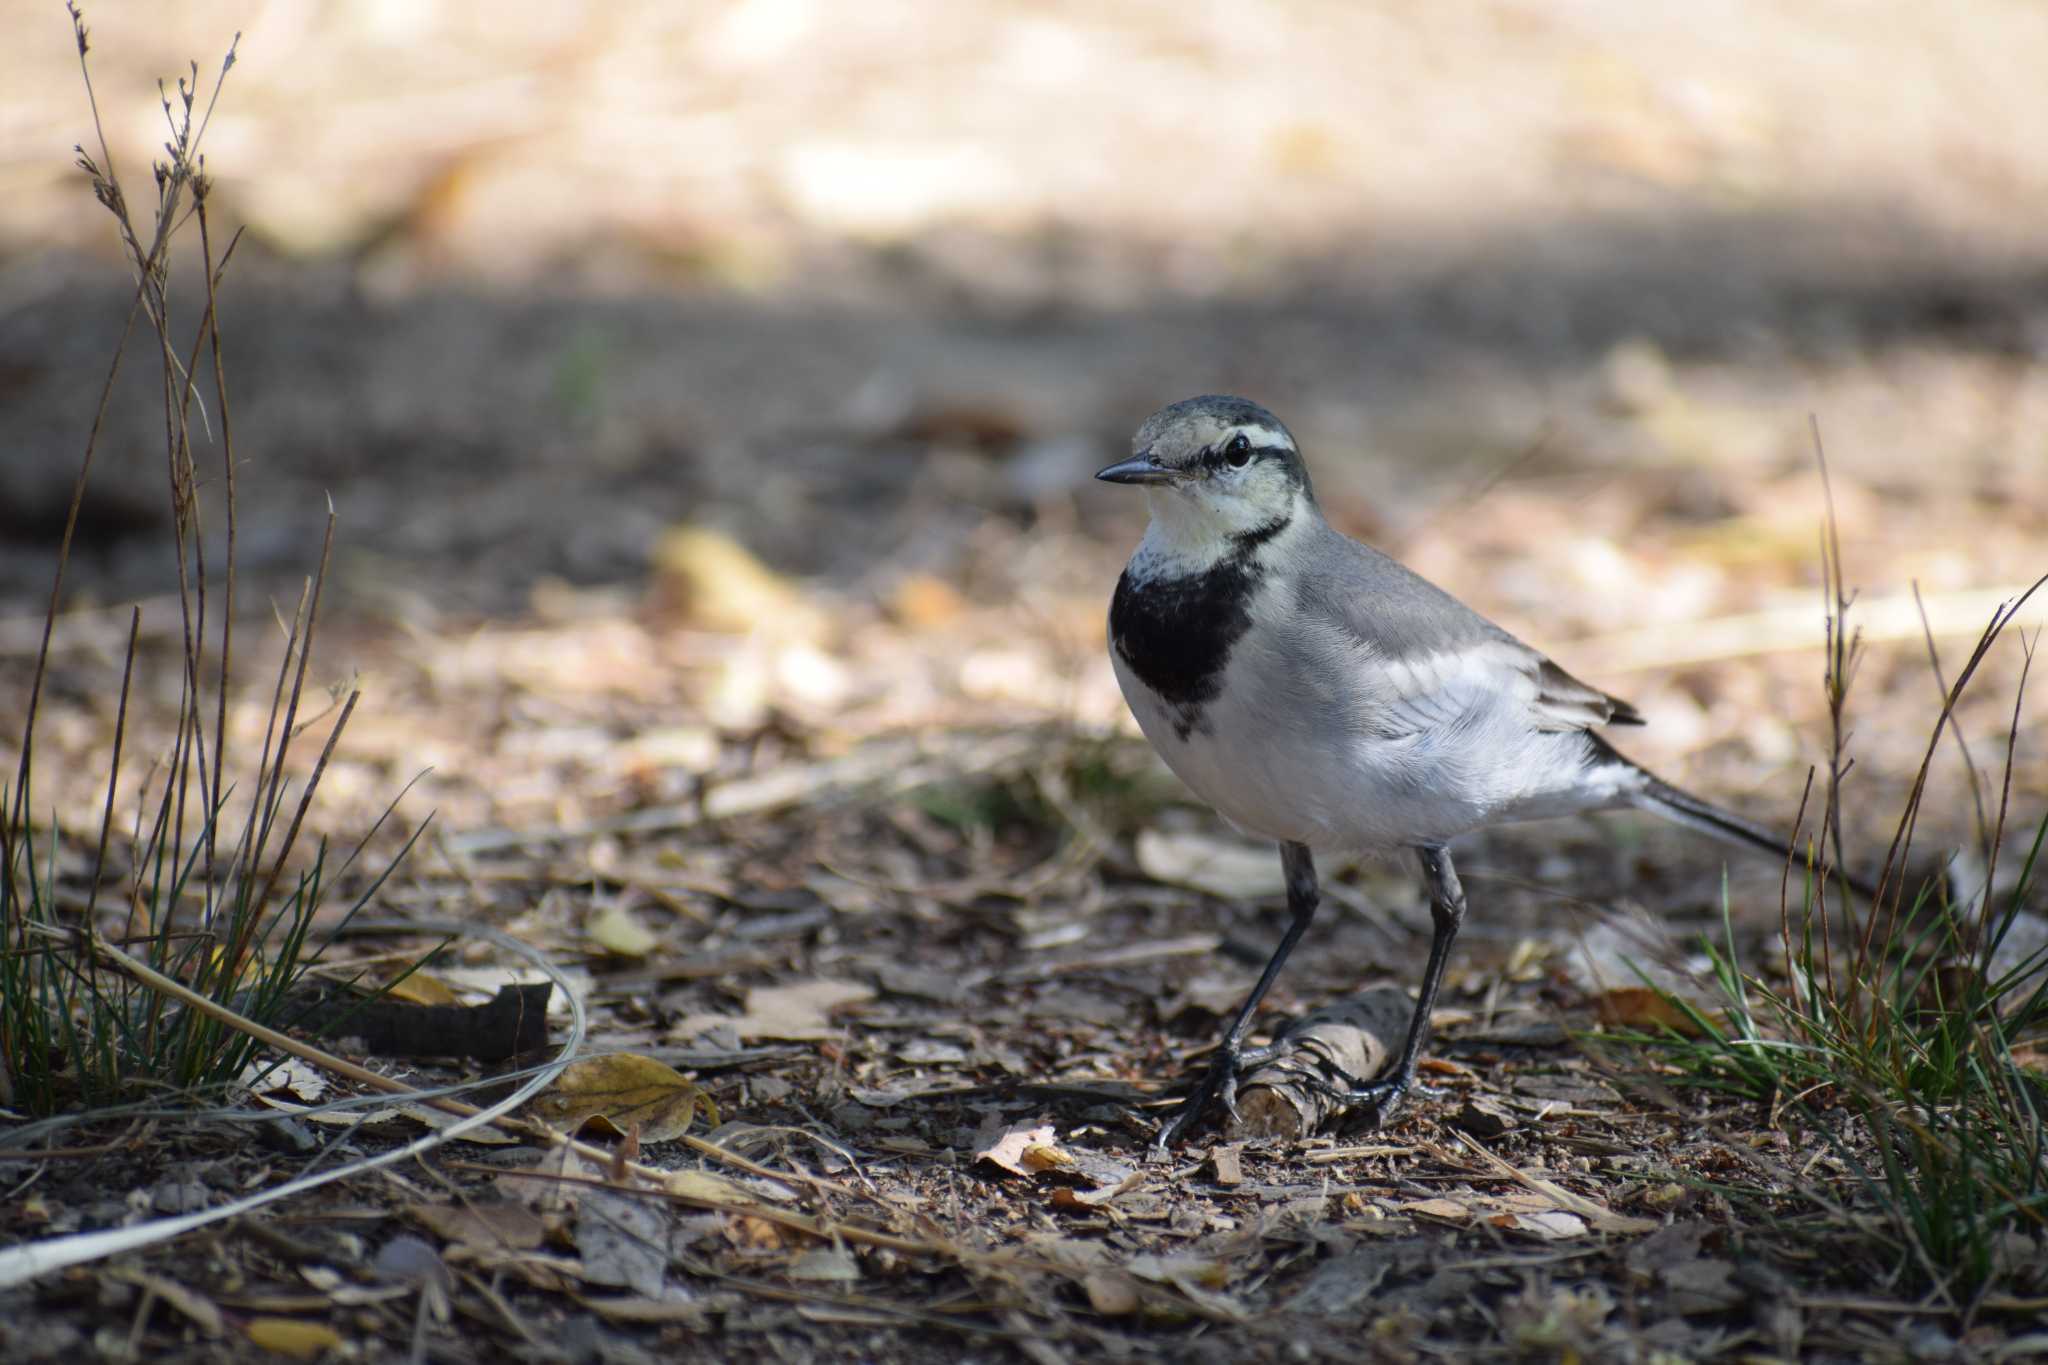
x=1682 y=807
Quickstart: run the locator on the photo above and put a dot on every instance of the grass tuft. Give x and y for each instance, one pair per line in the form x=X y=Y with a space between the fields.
x=1912 y=1043
x=219 y=890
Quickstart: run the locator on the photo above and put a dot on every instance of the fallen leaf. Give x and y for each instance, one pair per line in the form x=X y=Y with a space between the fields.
x=1640 y=1007
x=1666 y=1197
x=800 y=1011
x=1176 y=1269
x=1201 y=862
x=551 y=1182
x=1549 y=1224
x=407 y=1259
x=704 y=1187
x=675 y=1305
x=428 y=1117
x=1600 y=1216
x=1026 y=1151
x=1443 y=1210
x=1110 y=1293
x=488 y=981
x=292 y=1076
x=291 y=1337
x=422 y=988
x=749 y=1233
x=923 y=602
x=619 y=932
x=693 y=748
x=713 y=581
x=824 y=1263
x=623 y=1240
x=625 y=1089
x=499 y=1226
x=1198 y=1278
x=194 y=1306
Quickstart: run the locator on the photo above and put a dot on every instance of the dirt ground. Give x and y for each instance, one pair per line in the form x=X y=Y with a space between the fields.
x=707 y=406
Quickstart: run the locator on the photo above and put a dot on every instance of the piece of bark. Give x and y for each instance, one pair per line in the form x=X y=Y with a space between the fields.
x=1352 y=1039
x=511 y=1022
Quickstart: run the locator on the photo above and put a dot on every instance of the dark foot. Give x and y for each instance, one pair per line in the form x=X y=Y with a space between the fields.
x=1382 y=1098
x=1218 y=1082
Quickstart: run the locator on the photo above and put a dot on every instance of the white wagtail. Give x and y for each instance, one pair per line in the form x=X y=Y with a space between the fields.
x=1316 y=692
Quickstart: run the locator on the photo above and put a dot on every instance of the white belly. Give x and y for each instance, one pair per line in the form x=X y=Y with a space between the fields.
x=1332 y=786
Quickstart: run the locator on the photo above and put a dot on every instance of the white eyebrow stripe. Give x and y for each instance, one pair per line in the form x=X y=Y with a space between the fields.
x=1265 y=436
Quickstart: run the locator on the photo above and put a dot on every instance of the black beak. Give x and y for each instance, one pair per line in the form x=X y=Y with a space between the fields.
x=1138 y=469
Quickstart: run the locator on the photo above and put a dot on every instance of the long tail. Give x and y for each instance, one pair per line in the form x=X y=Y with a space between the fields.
x=1652 y=793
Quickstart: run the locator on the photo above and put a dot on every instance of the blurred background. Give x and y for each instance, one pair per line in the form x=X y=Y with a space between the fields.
x=677 y=371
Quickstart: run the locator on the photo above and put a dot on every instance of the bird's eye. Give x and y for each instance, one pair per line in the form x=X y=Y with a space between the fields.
x=1239 y=451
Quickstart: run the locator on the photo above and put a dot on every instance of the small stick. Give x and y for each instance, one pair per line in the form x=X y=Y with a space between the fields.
x=1353 y=1038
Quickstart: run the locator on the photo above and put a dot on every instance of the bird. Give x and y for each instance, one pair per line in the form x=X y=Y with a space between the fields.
x=1317 y=693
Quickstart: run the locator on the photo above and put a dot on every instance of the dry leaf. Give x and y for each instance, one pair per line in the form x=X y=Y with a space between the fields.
x=1600 y=1216
x=293 y=1076
x=1444 y=1210
x=622 y=1238
x=923 y=602
x=693 y=748
x=749 y=1233
x=353 y=1117
x=693 y=1309
x=1180 y=1270
x=422 y=988
x=551 y=1182
x=1664 y=1198
x=619 y=931
x=1110 y=1293
x=196 y=1307
x=625 y=1089
x=707 y=1188
x=1549 y=1224
x=1199 y=1279
x=500 y=1226
x=1224 y=868
x=1027 y=1151
x=291 y=1337
x=713 y=581
x=801 y=1011
x=1640 y=1007
x=428 y=1117
x=824 y=1263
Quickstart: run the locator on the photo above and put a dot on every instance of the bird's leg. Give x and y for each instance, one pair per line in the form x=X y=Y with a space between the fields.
x=1302 y=898
x=1446 y=914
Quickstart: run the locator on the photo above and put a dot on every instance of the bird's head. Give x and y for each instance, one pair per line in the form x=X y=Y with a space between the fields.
x=1218 y=467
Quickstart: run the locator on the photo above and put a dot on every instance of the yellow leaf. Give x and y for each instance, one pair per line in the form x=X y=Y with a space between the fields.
x=626 y=1089
x=704 y=1187
x=423 y=988
x=289 y=1336
x=1641 y=1007
x=1111 y=1293
x=619 y=932
x=713 y=581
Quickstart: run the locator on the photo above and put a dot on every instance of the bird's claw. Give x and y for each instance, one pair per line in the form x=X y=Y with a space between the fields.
x=1218 y=1083
x=1382 y=1098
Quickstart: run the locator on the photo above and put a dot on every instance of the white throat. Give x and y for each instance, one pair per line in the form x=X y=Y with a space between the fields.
x=1191 y=531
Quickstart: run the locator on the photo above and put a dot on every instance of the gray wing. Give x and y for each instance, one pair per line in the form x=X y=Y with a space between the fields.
x=1428 y=660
